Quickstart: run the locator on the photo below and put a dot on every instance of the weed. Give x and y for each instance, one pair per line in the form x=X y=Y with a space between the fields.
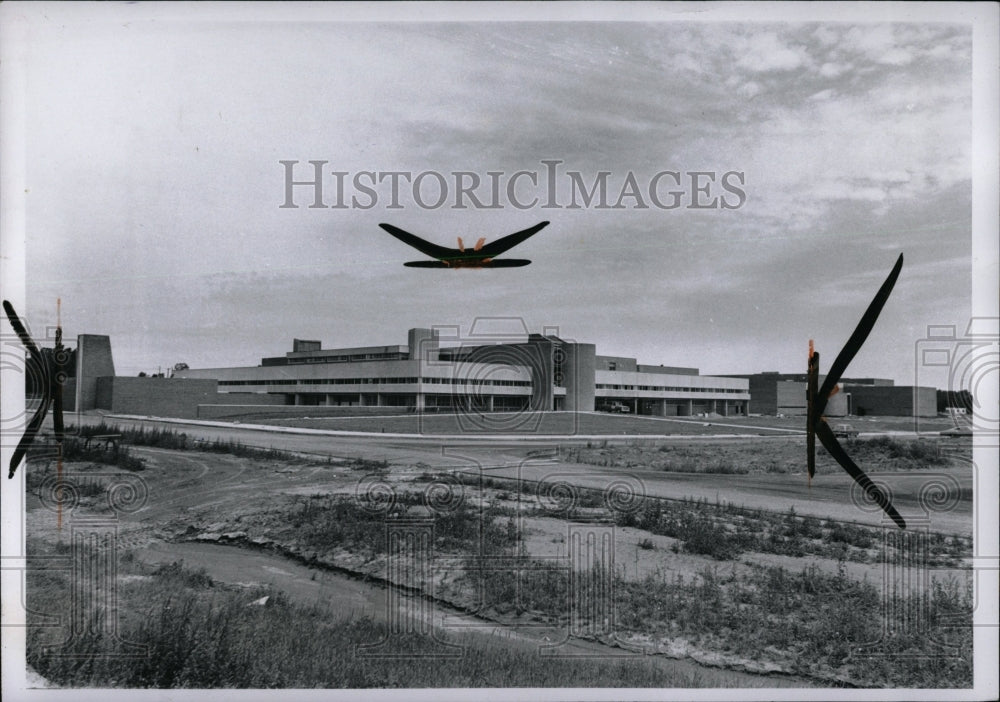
x=880 y=453
x=168 y=439
x=202 y=637
x=368 y=465
x=825 y=619
x=323 y=523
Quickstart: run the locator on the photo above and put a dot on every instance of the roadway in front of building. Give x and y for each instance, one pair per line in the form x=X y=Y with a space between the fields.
x=528 y=457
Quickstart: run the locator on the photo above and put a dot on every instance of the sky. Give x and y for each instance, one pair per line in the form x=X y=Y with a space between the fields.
x=154 y=184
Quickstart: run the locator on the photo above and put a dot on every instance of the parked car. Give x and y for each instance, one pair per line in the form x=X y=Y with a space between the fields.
x=845 y=431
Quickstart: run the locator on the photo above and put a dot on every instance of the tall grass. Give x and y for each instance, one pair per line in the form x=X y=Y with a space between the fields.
x=905 y=455
x=668 y=458
x=876 y=453
x=200 y=635
x=169 y=439
x=322 y=523
x=824 y=624
x=518 y=585
x=73 y=449
x=724 y=531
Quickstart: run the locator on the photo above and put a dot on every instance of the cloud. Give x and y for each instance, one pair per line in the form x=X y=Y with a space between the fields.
x=841 y=190
x=895 y=57
x=155 y=182
x=766 y=52
x=833 y=70
x=872 y=41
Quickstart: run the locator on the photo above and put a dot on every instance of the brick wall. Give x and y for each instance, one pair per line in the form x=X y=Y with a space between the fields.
x=157 y=397
x=894 y=401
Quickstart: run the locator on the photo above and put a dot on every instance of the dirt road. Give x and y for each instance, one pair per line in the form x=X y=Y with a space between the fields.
x=829 y=494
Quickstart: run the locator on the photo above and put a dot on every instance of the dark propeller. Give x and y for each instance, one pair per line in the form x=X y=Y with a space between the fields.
x=49 y=366
x=816 y=399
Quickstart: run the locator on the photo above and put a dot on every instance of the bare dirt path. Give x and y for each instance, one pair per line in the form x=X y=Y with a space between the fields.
x=827 y=495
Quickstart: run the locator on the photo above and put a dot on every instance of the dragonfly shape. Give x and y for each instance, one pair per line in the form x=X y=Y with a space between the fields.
x=50 y=366
x=816 y=400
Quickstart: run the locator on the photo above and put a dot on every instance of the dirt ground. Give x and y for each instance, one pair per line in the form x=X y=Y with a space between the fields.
x=583 y=423
x=217 y=511
x=829 y=493
x=210 y=511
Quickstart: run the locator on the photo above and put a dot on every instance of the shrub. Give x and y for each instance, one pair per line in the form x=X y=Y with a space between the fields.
x=74 y=449
x=168 y=439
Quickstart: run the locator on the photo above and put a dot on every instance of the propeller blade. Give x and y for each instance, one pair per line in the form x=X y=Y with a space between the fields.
x=424 y=247
x=22 y=333
x=29 y=435
x=856 y=339
x=58 y=373
x=829 y=441
x=811 y=418
x=56 y=386
x=511 y=240
x=51 y=394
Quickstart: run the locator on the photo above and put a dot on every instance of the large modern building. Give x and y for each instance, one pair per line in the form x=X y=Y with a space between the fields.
x=503 y=373
x=785 y=393
x=536 y=372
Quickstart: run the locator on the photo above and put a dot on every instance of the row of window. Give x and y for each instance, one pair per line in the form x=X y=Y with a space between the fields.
x=257 y=382
x=358 y=381
x=387 y=356
x=474 y=381
x=658 y=388
x=383 y=381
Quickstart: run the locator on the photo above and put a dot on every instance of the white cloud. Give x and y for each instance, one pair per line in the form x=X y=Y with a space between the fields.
x=833 y=70
x=895 y=57
x=842 y=190
x=882 y=43
x=940 y=51
x=767 y=53
x=826 y=35
x=871 y=40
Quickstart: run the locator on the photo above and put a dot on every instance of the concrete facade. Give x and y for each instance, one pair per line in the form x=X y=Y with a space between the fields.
x=785 y=393
x=791 y=400
x=541 y=373
x=156 y=397
x=249 y=412
x=93 y=361
x=578 y=370
x=673 y=395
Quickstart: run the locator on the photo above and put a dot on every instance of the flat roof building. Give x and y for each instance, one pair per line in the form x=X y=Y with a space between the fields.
x=785 y=393
x=534 y=371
